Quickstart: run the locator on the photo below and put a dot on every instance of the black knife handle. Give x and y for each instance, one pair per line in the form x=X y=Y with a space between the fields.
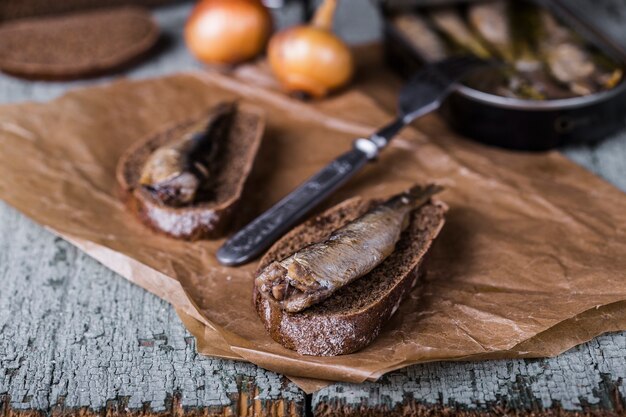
x=257 y=236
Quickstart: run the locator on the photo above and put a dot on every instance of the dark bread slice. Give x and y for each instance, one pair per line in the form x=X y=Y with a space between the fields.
x=19 y=9
x=353 y=316
x=204 y=219
x=76 y=45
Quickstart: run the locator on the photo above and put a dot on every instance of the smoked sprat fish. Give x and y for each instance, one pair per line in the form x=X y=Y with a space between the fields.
x=491 y=21
x=318 y=270
x=177 y=173
x=421 y=36
x=450 y=22
x=566 y=58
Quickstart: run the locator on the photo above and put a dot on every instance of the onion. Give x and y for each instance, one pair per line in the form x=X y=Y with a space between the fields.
x=310 y=59
x=227 y=31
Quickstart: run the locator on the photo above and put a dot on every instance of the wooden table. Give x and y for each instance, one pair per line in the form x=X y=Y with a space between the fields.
x=77 y=338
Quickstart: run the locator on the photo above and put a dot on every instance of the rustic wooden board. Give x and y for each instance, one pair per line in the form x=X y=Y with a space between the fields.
x=588 y=377
x=77 y=338
x=75 y=335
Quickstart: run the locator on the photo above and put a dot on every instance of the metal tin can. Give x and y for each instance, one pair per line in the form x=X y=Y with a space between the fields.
x=522 y=124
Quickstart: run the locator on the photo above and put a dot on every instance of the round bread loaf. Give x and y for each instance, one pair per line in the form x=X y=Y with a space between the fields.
x=76 y=45
x=20 y=9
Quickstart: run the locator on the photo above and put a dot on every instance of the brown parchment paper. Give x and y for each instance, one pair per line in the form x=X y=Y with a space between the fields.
x=531 y=241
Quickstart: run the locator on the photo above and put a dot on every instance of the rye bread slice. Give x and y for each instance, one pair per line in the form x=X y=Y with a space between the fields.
x=203 y=219
x=19 y=9
x=353 y=316
x=76 y=45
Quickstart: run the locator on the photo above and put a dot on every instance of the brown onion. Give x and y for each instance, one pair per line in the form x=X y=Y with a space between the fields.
x=228 y=31
x=311 y=59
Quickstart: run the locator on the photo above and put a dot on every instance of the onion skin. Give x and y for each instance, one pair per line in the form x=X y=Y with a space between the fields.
x=228 y=31
x=310 y=59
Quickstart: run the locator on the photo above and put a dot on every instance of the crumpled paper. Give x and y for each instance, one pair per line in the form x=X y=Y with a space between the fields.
x=529 y=263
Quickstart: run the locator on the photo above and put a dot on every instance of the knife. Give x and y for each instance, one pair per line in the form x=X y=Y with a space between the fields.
x=423 y=94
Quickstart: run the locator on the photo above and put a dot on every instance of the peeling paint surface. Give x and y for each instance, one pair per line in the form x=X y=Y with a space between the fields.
x=75 y=335
x=588 y=376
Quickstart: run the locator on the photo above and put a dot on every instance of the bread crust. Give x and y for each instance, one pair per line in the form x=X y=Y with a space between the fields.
x=65 y=64
x=202 y=220
x=339 y=332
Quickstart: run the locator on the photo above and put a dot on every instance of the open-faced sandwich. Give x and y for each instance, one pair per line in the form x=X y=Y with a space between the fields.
x=186 y=180
x=327 y=287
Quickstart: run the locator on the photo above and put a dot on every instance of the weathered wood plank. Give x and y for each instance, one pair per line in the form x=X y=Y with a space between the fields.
x=587 y=377
x=607 y=158
x=76 y=337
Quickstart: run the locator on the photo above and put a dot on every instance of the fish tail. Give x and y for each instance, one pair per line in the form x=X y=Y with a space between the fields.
x=213 y=129
x=421 y=194
x=415 y=196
